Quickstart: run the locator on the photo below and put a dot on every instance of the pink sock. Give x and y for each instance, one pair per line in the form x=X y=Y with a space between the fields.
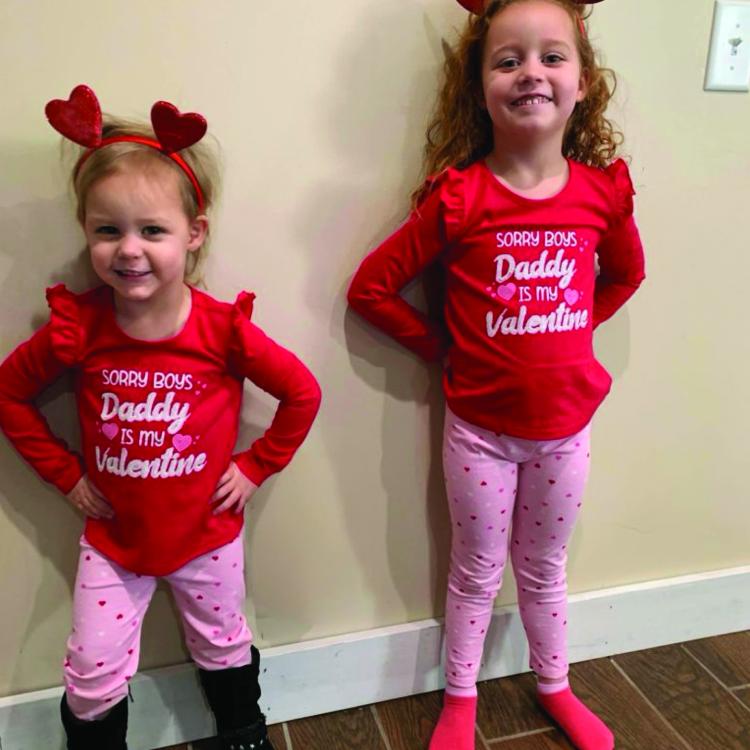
x=455 y=727
x=584 y=728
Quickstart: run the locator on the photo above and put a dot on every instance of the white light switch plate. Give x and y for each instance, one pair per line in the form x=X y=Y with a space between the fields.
x=729 y=57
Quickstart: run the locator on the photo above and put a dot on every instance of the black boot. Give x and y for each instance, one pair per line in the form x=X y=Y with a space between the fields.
x=103 y=734
x=233 y=696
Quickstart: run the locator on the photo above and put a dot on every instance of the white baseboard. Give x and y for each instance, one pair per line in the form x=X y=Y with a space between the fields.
x=330 y=674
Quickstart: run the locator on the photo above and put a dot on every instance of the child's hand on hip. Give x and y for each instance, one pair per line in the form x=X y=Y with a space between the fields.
x=234 y=489
x=88 y=499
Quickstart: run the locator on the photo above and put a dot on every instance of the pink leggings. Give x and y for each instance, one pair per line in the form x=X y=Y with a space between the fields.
x=109 y=603
x=526 y=494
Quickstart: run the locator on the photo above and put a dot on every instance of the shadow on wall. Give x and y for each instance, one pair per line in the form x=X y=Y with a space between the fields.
x=36 y=253
x=339 y=219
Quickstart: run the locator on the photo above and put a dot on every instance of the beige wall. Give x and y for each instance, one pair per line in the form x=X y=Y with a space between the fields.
x=320 y=109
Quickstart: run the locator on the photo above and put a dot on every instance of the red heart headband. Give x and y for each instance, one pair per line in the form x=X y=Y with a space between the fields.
x=477 y=6
x=79 y=119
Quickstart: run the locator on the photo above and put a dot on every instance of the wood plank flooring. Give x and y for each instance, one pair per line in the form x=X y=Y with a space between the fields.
x=690 y=696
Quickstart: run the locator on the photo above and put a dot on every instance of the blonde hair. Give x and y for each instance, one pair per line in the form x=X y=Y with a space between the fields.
x=460 y=131
x=121 y=156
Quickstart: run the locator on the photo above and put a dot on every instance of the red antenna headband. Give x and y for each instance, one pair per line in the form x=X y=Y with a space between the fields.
x=79 y=119
x=477 y=6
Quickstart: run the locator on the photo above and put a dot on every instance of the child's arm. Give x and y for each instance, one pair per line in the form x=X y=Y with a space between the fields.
x=278 y=372
x=375 y=289
x=621 y=262
x=23 y=375
x=621 y=270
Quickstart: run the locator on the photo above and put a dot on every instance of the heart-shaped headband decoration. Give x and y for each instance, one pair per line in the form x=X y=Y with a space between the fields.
x=79 y=119
x=477 y=6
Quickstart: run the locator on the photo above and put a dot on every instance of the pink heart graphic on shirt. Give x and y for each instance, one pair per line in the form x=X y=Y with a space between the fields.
x=180 y=442
x=571 y=296
x=110 y=430
x=506 y=291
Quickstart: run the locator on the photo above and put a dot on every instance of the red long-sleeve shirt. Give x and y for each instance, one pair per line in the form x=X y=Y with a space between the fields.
x=158 y=419
x=522 y=295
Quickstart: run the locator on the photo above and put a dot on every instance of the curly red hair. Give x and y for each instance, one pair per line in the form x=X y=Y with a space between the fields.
x=460 y=131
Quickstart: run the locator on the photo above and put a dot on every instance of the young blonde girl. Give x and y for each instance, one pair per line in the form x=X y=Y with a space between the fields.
x=159 y=368
x=523 y=198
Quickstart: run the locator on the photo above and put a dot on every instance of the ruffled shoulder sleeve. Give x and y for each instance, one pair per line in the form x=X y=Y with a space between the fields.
x=242 y=309
x=239 y=336
x=67 y=332
x=448 y=189
x=622 y=190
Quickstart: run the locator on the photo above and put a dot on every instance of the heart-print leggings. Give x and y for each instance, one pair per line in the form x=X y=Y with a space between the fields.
x=503 y=493
x=109 y=603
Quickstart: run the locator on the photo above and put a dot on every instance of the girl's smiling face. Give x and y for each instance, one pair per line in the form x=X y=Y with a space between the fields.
x=138 y=233
x=531 y=72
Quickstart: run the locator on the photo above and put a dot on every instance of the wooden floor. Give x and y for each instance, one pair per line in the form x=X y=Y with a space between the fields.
x=693 y=695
